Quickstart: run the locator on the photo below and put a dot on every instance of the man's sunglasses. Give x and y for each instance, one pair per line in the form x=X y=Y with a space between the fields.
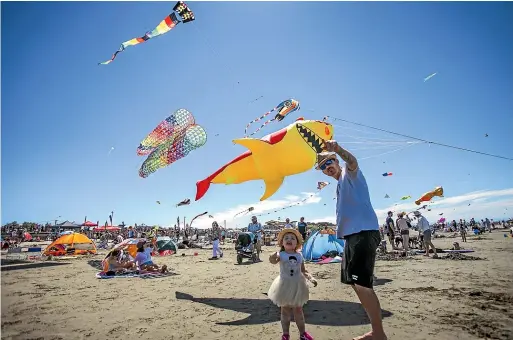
x=326 y=164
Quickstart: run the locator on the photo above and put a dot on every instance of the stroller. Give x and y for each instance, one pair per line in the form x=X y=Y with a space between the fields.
x=245 y=247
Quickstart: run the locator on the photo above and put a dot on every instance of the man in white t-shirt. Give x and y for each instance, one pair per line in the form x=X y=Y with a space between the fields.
x=288 y=225
x=358 y=225
x=424 y=227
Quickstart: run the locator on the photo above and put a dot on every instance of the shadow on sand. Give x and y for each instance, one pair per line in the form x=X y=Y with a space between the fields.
x=261 y=311
x=381 y=282
x=8 y=265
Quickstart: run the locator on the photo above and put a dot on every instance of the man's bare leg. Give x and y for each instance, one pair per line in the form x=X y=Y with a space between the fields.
x=371 y=305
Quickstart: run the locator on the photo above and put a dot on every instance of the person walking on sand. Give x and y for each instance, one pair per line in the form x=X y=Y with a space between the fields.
x=390 y=229
x=289 y=290
x=358 y=225
x=423 y=226
x=256 y=228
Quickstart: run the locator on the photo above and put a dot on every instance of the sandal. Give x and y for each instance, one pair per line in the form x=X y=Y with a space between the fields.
x=285 y=337
x=306 y=336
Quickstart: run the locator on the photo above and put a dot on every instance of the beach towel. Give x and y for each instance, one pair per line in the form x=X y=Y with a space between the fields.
x=336 y=259
x=145 y=275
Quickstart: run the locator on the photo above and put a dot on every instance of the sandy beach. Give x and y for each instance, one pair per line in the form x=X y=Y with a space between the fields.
x=421 y=298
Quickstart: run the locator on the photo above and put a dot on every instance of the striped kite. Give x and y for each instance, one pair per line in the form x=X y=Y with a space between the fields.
x=165 y=26
x=283 y=109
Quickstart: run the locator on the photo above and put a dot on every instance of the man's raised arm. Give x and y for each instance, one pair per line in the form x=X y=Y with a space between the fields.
x=352 y=163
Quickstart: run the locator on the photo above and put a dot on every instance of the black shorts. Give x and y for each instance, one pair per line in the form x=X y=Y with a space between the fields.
x=304 y=236
x=359 y=258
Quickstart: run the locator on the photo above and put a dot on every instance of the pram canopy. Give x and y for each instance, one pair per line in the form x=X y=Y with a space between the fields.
x=245 y=239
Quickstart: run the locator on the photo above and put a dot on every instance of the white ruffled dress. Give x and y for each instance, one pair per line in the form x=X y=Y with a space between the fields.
x=289 y=289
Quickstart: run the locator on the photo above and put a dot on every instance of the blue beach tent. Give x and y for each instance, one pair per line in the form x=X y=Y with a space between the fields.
x=319 y=244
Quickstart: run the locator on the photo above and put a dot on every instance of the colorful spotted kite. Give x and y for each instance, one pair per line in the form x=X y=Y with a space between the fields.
x=165 y=26
x=170 y=141
x=283 y=109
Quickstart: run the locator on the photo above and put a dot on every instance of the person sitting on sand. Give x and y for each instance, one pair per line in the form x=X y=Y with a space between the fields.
x=113 y=265
x=456 y=246
x=144 y=262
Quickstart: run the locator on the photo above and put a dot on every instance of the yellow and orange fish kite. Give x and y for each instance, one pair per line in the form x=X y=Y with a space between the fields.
x=439 y=191
x=287 y=152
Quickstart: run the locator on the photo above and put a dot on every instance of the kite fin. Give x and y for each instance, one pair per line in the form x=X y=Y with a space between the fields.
x=271 y=186
x=256 y=146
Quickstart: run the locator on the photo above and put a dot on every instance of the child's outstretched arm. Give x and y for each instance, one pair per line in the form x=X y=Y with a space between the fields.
x=274 y=258
x=308 y=275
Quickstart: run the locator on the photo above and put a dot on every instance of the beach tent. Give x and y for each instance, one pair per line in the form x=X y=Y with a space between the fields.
x=128 y=245
x=67 y=224
x=166 y=246
x=71 y=244
x=319 y=244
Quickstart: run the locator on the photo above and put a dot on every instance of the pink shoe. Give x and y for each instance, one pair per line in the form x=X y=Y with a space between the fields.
x=306 y=336
x=285 y=337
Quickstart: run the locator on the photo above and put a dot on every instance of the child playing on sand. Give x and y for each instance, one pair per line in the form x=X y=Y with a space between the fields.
x=143 y=260
x=289 y=290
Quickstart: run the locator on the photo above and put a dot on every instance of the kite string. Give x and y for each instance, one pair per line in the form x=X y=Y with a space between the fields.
x=423 y=140
x=388 y=152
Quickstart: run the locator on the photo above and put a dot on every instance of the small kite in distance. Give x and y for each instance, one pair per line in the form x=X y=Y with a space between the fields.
x=430 y=76
x=283 y=109
x=386 y=196
x=486 y=135
x=158 y=202
x=184 y=202
x=404 y=198
x=321 y=185
x=112 y=148
x=386 y=174
x=248 y=210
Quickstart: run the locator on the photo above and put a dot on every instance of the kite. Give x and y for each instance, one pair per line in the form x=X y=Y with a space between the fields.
x=284 y=108
x=387 y=174
x=165 y=26
x=210 y=216
x=438 y=191
x=321 y=185
x=112 y=148
x=440 y=214
x=173 y=126
x=386 y=196
x=184 y=202
x=248 y=210
x=404 y=198
x=158 y=202
x=430 y=76
x=195 y=217
x=287 y=152
x=171 y=140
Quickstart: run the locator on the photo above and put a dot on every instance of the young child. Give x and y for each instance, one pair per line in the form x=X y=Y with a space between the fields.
x=289 y=290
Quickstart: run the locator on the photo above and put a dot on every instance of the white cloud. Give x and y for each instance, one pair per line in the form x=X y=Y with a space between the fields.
x=485 y=203
x=259 y=207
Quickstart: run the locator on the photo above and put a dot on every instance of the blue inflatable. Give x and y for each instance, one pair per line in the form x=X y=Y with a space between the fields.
x=319 y=244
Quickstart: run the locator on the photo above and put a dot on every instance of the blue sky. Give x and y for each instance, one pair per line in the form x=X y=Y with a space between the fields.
x=365 y=62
